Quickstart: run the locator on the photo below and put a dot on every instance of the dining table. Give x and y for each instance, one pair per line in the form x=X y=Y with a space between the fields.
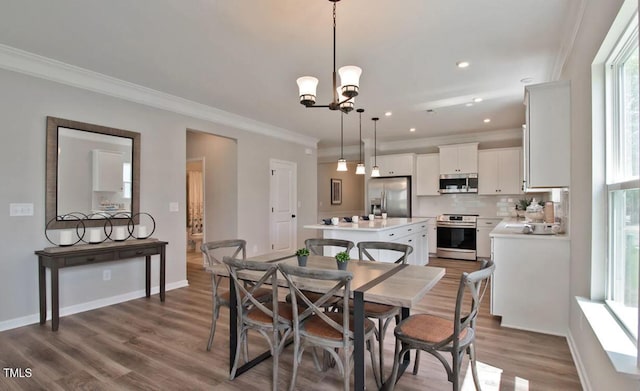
x=400 y=285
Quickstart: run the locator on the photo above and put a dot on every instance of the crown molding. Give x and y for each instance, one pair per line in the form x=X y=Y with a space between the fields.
x=426 y=143
x=569 y=39
x=27 y=63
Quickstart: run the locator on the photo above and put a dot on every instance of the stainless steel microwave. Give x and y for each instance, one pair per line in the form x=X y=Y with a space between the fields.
x=458 y=183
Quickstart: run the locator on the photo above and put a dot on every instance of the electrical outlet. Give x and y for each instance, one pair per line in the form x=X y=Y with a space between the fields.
x=20 y=209
x=106 y=275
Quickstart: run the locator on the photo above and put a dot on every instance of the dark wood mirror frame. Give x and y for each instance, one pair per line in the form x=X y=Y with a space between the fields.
x=51 y=197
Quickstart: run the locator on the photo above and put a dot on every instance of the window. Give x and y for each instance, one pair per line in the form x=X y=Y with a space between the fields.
x=126 y=180
x=622 y=179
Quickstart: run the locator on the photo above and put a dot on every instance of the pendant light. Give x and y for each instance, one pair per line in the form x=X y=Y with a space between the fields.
x=360 y=170
x=376 y=170
x=342 y=163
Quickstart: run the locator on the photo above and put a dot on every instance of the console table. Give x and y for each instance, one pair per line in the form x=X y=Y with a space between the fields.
x=56 y=258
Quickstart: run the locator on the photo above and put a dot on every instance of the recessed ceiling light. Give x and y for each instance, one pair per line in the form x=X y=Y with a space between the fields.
x=477 y=100
x=388 y=114
x=469 y=104
x=412 y=129
x=526 y=80
x=487 y=120
x=462 y=64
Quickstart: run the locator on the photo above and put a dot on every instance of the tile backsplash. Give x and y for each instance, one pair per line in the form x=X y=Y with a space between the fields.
x=482 y=205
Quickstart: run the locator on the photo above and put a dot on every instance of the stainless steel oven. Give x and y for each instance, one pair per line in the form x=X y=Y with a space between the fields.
x=456 y=236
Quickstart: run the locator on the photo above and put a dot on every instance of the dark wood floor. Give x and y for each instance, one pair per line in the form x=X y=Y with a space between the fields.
x=148 y=345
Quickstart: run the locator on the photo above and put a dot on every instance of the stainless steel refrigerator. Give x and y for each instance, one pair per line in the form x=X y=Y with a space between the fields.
x=391 y=195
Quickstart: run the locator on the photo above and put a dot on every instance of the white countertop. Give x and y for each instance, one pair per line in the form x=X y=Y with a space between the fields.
x=368 y=225
x=511 y=227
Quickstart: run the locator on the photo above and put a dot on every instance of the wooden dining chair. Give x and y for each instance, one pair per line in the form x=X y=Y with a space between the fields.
x=329 y=331
x=317 y=246
x=214 y=252
x=272 y=320
x=437 y=335
x=383 y=313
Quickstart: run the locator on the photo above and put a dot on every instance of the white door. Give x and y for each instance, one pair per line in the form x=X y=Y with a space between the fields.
x=283 y=205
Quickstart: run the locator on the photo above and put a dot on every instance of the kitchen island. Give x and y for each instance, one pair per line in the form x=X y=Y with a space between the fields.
x=412 y=231
x=530 y=286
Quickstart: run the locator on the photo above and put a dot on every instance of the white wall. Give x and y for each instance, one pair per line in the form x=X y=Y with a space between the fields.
x=591 y=359
x=26 y=103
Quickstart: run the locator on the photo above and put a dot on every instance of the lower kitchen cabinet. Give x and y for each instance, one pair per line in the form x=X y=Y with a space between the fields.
x=530 y=285
x=432 y=235
x=483 y=241
x=411 y=231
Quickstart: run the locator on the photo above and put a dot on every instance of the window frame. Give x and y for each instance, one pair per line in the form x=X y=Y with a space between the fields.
x=614 y=160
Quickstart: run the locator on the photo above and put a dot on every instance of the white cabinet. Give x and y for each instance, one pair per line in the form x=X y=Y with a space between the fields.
x=459 y=158
x=499 y=171
x=483 y=241
x=530 y=285
x=107 y=170
x=428 y=174
x=547 y=135
x=432 y=235
x=393 y=165
x=414 y=234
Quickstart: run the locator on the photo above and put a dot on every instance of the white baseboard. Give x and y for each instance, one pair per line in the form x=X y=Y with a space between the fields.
x=582 y=372
x=533 y=329
x=91 y=305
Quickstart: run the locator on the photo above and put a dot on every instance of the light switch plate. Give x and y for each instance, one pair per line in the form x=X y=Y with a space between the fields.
x=174 y=207
x=20 y=209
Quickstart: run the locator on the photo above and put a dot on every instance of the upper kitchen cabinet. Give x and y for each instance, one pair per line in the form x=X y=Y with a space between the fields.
x=546 y=135
x=428 y=174
x=459 y=159
x=395 y=165
x=499 y=171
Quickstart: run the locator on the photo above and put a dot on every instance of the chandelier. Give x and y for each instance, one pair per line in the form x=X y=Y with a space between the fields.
x=342 y=95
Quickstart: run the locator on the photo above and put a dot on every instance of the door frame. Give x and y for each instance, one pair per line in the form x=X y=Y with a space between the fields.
x=202 y=160
x=293 y=193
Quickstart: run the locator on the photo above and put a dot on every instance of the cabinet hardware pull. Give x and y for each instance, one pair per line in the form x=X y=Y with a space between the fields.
x=391 y=234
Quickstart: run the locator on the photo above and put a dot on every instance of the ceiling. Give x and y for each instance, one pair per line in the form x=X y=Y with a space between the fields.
x=244 y=56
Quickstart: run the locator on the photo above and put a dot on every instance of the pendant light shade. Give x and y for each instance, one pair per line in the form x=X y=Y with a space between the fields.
x=307 y=85
x=375 y=172
x=360 y=170
x=342 y=163
x=350 y=78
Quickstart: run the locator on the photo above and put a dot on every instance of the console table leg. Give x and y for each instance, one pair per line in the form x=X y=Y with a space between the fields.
x=55 y=300
x=42 y=282
x=162 y=272
x=147 y=269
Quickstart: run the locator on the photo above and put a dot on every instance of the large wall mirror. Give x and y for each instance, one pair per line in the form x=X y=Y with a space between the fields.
x=92 y=170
